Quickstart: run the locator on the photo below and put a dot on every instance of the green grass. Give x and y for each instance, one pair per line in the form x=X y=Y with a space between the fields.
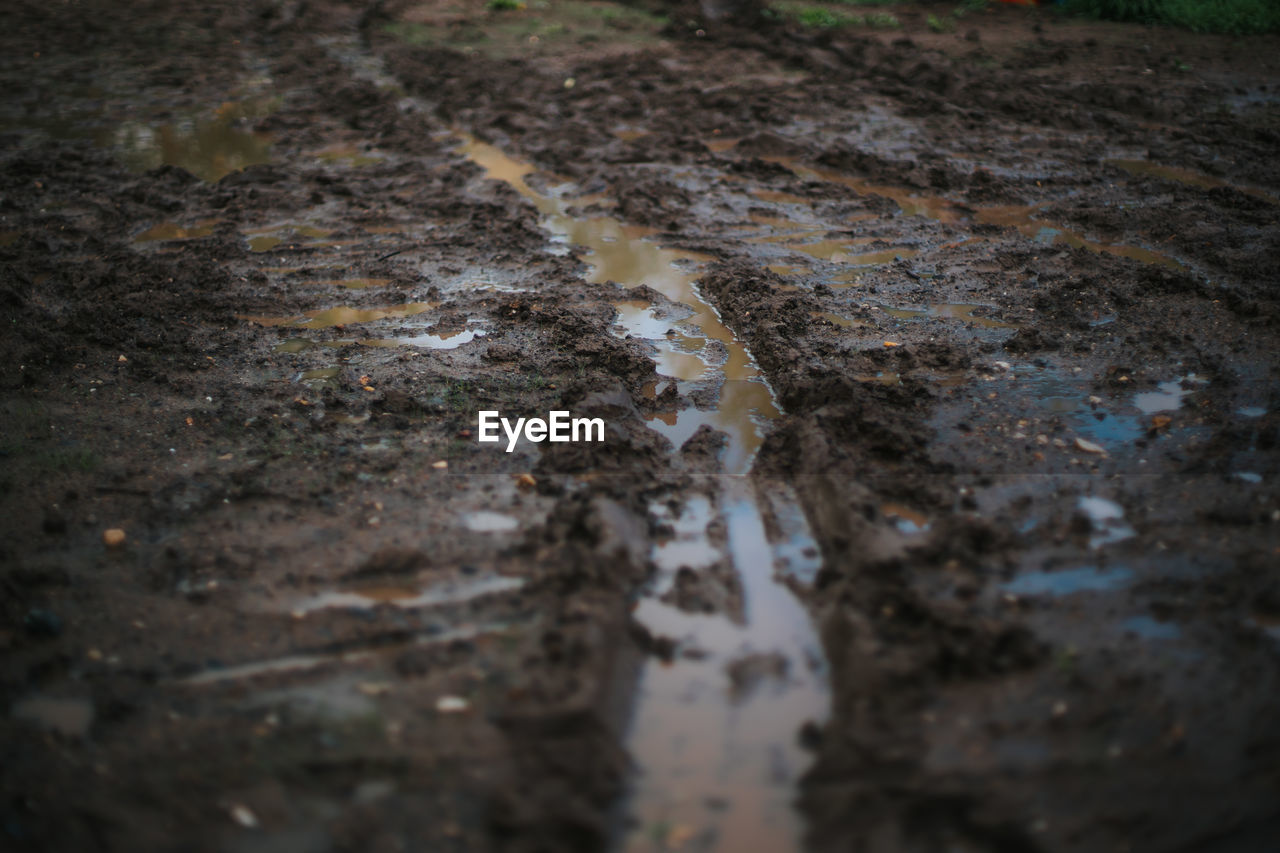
x=823 y=18
x=940 y=25
x=504 y=5
x=1234 y=17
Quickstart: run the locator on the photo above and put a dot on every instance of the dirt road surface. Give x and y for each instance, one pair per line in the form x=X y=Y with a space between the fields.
x=935 y=358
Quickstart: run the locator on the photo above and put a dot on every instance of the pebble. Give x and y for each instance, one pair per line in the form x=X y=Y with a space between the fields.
x=113 y=537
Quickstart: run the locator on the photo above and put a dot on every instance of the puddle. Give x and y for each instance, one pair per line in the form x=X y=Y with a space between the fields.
x=1249 y=477
x=209 y=148
x=716 y=735
x=962 y=311
x=689 y=545
x=171 y=231
x=840 y=320
x=717 y=748
x=1145 y=168
x=289 y=664
x=209 y=144
x=619 y=253
x=1059 y=395
x=1167 y=397
x=1251 y=411
x=1107 y=520
x=1150 y=628
x=1068 y=581
x=485 y=521
x=320 y=377
x=342 y=316
x=348 y=155
x=904 y=518
x=945 y=211
x=444 y=341
x=719 y=146
x=404 y=598
x=68 y=717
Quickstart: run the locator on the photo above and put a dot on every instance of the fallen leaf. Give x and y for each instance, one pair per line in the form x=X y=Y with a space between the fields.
x=892 y=344
x=526 y=481
x=1160 y=422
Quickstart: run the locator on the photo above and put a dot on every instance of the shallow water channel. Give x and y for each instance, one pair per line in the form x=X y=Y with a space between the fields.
x=715 y=729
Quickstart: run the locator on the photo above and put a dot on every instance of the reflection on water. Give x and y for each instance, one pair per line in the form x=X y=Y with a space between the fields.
x=342 y=315
x=209 y=148
x=716 y=732
x=619 y=253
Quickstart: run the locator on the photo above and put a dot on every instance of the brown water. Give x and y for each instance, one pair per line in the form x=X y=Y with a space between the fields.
x=342 y=315
x=1146 y=168
x=209 y=148
x=717 y=752
x=619 y=253
x=1022 y=218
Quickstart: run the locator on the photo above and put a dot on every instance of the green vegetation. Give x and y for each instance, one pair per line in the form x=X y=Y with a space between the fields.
x=825 y=19
x=1236 y=17
x=940 y=25
x=882 y=21
x=821 y=17
x=504 y=5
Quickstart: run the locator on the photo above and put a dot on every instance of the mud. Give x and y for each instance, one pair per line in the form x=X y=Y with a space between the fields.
x=937 y=507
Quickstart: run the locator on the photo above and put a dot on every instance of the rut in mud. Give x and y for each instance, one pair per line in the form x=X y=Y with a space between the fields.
x=937 y=504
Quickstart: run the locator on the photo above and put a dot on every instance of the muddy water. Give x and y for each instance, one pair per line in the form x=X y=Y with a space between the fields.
x=1021 y=218
x=619 y=253
x=714 y=732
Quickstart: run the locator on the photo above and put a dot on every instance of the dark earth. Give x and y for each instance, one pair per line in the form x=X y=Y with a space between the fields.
x=1013 y=279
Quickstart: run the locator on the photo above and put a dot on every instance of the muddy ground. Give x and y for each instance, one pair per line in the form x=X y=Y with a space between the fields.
x=1011 y=280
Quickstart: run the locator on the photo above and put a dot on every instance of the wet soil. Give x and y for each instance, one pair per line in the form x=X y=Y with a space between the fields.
x=937 y=505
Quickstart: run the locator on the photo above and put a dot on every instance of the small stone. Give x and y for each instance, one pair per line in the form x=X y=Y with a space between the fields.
x=113 y=537
x=440 y=465
x=243 y=816
x=526 y=481
x=1089 y=447
x=452 y=705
